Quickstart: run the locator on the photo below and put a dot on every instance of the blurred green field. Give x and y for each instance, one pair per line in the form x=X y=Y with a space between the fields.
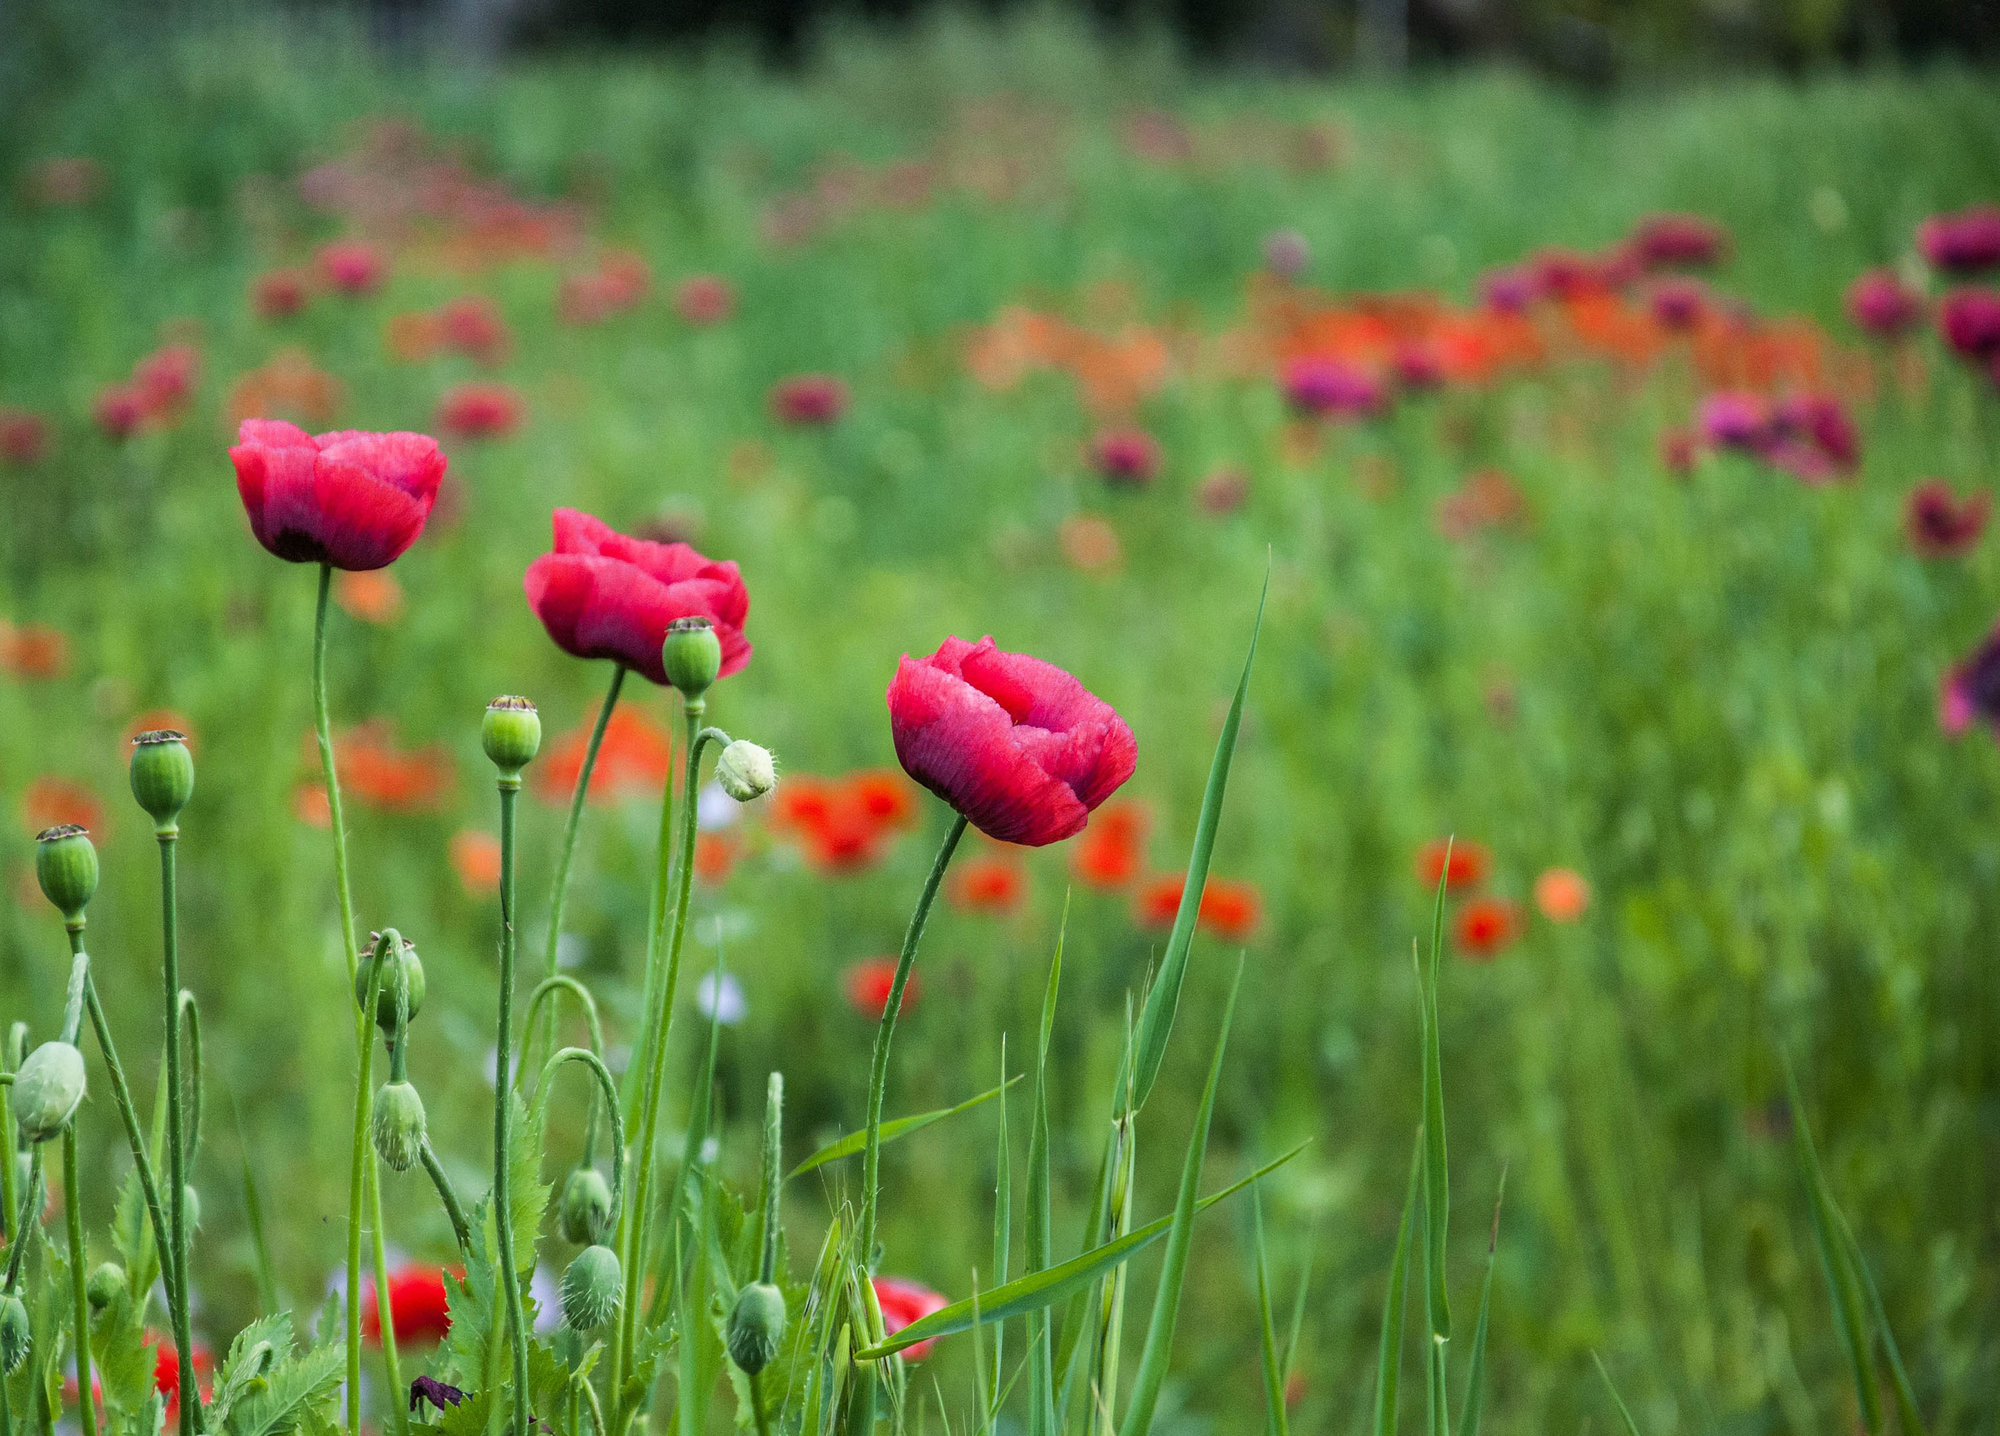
x=1716 y=698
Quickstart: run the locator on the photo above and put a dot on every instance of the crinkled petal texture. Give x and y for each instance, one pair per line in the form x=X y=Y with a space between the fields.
x=352 y=499
x=1017 y=745
x=602 y=594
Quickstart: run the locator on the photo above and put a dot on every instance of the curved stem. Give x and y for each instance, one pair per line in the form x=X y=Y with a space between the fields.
x=610 y=1093
x=575 y=820
x=357 y=1176
x=177 y=1143
x=544 y=990
x=503 y=1212
x=878 y=1073
x=460 y=1228
x=135 y=1136
x=31 y=1205
x=78 y=1279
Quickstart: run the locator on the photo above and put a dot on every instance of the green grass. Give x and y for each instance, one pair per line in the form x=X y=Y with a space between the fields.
x=1723 y=694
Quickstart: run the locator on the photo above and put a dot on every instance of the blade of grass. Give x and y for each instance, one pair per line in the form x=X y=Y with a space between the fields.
x=1163 y=998
x=1041 y=1289
x=1003 y=1227
x=1907 y=1418
x=1475 y=1372
x=1299 y=1298
x=853 y=1142
x=1041 y=1351
x=1624 y=1413
x=1158 y=1349
x=1274 y=1376
x=1389 y=1353
x=1437 y=1186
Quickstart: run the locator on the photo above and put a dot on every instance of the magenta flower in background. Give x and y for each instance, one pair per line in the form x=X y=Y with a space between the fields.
x=704 y=299
x=1127 y=458
x=1333 y=388
x=1880 y=304
x=351 y=499
x=1017 y=745
x=1507 y=291
x=1557 y=273
x=1813 y=438
x=1734 y=419
x=1286 y=253
x=1969 y=319
x=1667 y=241
x=1677 y=304
x=1416 y=365
x=1971 y=688
x=353 y=267
x=479 y=410
x=808 y=399
x=1940 y=524
x=1962 y=243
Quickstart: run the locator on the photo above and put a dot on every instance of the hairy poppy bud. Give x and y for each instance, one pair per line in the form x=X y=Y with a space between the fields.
x=47 y=1090
x=691 y=656
x=590 y=1288
x=402 y=967
x=746 y=771
x=586 y=1207
x=106 y=1286
x=398 y=1125
x=15 y=1333
x=162 y=776
x=66 y=867
x=756 y=1326
x=511 y=734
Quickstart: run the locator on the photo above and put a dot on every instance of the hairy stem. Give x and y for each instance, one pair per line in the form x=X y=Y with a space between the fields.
x=570 y=826
x=460 y=1228
x=78 y=1279
x=503 y=1096
x=357 y=1175
x=135 y=1135
x=177 y=1152
x=385 y=1319
x=323 y=727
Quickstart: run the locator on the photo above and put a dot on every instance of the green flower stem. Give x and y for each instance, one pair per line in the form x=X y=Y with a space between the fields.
x=503 y=1095
x=324 y=728
x=78 y=1279
x=575 y=820
x=609 y=1090
x=31 y=1206
x=17 y=1040
x=190 y=1018
x=135 y=1135
x=544 y=990
x=177 y=1148
x=390 y=941
x=460 y=1228
x=637 y=1227
x=878 y=1074
x=392 y=1369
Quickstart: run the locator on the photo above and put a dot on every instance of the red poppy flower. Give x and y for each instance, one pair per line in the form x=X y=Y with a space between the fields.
x=418 y=1305
x=1941 y=524
x=1015 y=744
x=1486 y=925
x=472 y=325
x=52 y=802
x=1126 y=458
x=704 y=299
x=1969 y=319
x=868 y=983
x=714 y=855
x=34 y=650
x=635 y=756
x=1881 y=304
x=479 y=411
x=1562 y=894
x=882 y=794
x=1661 y=241
x=353 y=267
x=1159 y=901
x=1333 y=388
x=601 y=594
x=374 y=771
x=989 y=883
x=475 y=857
x=1230 y=908
x=1112 y=850
x=808 y=399
x=24 y=437
x=1468 y=866
x=844 y=824
x=280 y=293
x=352 y=499
x=903 y=1302
x=167 y=1373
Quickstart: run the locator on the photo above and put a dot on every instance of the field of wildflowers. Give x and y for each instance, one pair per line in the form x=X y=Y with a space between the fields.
x=1545 y=536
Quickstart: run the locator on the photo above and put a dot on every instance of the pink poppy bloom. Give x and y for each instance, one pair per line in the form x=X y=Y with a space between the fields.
x=479 y=411
x=808 y=399
x=704 y=299
x=1969 y=319
x=1880 y=304
x=1962 y=243
x=352 y=499
x=1666 y=241
x=1333 y=387
x=1971 y=689
x=353 y=267
x=1126 y=458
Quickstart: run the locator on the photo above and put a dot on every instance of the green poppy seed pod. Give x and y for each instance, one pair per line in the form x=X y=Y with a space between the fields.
x=402 y=965
x=511 y=735
x=106 y=1286
x=66 y=867
x=191 y=1206
x=398 y=1125
x=590 y=1288
x=585 y=1213
x=692 y=655
x=746 y=771
x=162 y=776
x=16 y=1335
x=756 y=1326
x=47 y=1090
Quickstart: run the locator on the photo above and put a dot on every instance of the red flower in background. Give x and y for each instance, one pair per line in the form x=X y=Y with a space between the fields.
x=1882 y=305
x=1230 y=907
x=704 y=299
x=372 y=596
x=120 y=410
x=634 y=757
x=1962 y=243
x=1126 y=458
x=419 y=1308
x=1467 y=866
x=601 y=594
x=351 y=499
x=868 y=983
x=471 y=324
x=1969 y=319
x=475 y=857
x=1015 y=744
x=165 y=378
x=1677 y=305
x=1665 y=241
x=1486 y=925
x=1813 y=438
x=1112 y=850
x=1562 y=894
x=714 y=855
x=280 y=293
x=990 y=883
x=1940 y=524
x=844 y=824
x=378 y=773
x=34 y=650
x=24 y=437
x=479 y=411
x=808 y=399
x=353 y=267
x=1333 y=388
x=1971 y=689
x=902 y=1303
x=167 y=1373
x=1159 y=900
x=52 y=802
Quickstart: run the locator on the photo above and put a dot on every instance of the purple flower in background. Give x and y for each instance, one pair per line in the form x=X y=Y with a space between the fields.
x=1962 y=243
x=1677 y=304
x=1333 y=387
x=1507 y=291
x=1813 y=438
x=1734 y=419
x=1971 y=688
x=1882 y=305
x=1663 y=241
x=1969 y=319
x=1286 y=253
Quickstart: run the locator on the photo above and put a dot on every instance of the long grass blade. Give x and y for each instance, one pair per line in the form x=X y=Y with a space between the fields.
x=1163 y=998
x=1041 y=1349
x=853 y=1142
x=1907 y=1418
x=1003 y=1229
x=1624 y=1412
x=1437 y=1186
x=1158 y=1350
x=1389 y=1352
x=1475 y=1371
x=1274 y=1375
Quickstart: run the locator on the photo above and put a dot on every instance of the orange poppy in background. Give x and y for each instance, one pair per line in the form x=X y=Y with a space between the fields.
x=311 y=806
x=373 y=595
x=375 y=772
x=845 y=824
x=1468 y=865
x=1231 y=908
x=288 y=386
x=868 y=983
x=715 y=855
x=33 y=650
x=1486 y=925
x=1562 y=894
x=635 y=757
x=51 y=802
x=475 y=857
x=1111 y=852
x=989 y=883
x=1158 y=900
x=155 y=720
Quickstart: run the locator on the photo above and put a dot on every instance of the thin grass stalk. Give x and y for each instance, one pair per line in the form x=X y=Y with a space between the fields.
x=1003 y=1222
x=1389 y=1350
x=78 y=1278
x=1624 y=1412
x=121 y=1094
x=392 y=1369
x=253 y=1215
x=389 y=941
x=1475 y=1372
x=1042 y=1417
x=503 y=1097
x=177 y=1150
x=560 y=886
x=1274 y=1376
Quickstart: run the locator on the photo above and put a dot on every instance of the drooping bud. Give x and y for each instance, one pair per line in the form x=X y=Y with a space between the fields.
x=590 y=1288
x=692 y=655
x=746 y=771
x=756 y=1326
x=15 y=1333
x=402 y=967
x=398 y=1126
x=162 y=776
x=585 y=1212
x=47 y=1090
x=106 y=1286
x=66 y=867
x=511 y=734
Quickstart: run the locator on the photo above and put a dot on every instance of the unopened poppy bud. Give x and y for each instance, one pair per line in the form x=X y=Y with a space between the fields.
x=756 y=1326
x=47 y=1090
x=586 y=1207
x=106 y=1286
x=162 y=776
x=15 y=1333
x=590 y=1288
x=398 y=1125
x=692 y=655
x=746 y=771
x=511 y=735
x=66 y=867
x=400 y=967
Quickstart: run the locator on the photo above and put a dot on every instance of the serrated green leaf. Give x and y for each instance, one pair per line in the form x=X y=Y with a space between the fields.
x=259 y=1346
x=289 y=1388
